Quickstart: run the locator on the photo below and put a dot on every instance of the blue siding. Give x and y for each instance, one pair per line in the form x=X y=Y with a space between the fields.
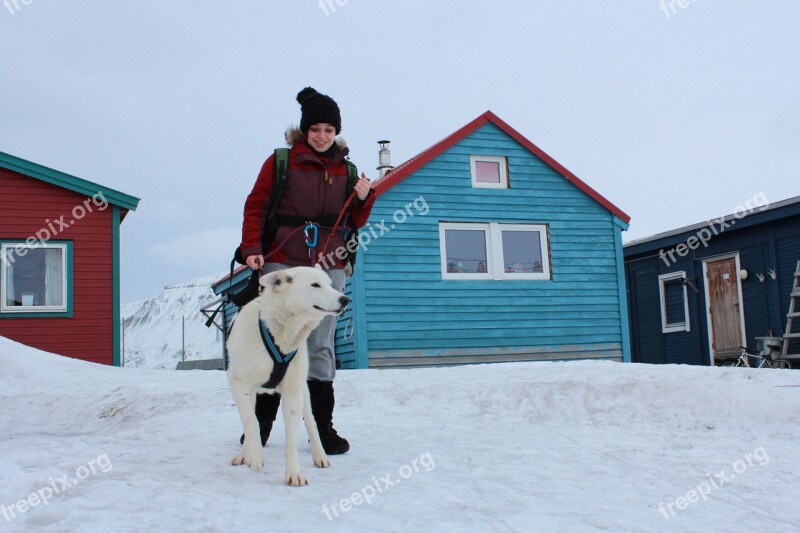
x=767 y=241
x=229 y=311
x=413 y=316
x=345 y=333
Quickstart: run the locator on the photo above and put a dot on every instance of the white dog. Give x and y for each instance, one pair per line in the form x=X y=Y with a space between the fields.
x=291 y=305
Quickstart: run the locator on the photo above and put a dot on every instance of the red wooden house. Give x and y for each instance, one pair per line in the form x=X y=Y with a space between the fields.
x=59 y=261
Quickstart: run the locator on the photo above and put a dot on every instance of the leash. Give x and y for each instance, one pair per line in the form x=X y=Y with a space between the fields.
x=312 y=243
x=255 y=273
x=336 y=225
x=273 y=252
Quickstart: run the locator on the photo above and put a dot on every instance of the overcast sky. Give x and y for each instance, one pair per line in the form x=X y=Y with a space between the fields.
x=676 y=115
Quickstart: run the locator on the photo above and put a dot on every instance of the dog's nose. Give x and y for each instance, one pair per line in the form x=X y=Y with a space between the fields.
x=344 y=300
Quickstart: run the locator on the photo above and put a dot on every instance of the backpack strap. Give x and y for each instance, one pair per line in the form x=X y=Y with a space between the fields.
x=352 y=179
x=281 y=178
x=270 y=223
x=352 y=176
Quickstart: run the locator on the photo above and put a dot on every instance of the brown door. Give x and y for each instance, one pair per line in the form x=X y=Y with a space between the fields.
x=724 y=307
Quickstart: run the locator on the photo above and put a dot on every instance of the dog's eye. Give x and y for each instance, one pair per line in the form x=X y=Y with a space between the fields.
x=316 y=285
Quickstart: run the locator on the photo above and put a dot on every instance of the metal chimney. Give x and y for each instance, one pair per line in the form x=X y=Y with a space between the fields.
x=384 y=159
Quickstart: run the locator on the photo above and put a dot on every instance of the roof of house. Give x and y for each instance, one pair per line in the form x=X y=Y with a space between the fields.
x=201 y=364
x=234 y=277
x=401 y=172
x=66 y=181
x=744 y=218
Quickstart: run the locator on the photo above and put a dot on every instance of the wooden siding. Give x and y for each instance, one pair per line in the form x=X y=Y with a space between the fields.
x=411 y=313
x=26 y=204
x=345 y=332
x=773 y=243
x=236 y=283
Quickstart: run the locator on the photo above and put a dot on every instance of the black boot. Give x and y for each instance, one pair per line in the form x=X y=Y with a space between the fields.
x=322 y=401
x=266 y=411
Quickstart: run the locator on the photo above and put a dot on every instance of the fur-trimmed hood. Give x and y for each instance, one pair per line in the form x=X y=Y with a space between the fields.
x=294 y=134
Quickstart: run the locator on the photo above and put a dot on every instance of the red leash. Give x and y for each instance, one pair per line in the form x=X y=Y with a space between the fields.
x=330 y=235
x=336 y=226
x=273 y=252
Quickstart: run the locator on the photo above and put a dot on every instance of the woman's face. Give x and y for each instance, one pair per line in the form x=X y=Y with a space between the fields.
x=321 y=136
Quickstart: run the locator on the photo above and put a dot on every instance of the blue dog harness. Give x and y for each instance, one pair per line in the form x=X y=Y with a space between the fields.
x=280 y=360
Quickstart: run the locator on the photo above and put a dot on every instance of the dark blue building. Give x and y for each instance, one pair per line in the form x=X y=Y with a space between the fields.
x=698 y=293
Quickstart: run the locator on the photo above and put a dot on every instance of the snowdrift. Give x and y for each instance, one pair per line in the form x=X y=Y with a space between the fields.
x=579 y=446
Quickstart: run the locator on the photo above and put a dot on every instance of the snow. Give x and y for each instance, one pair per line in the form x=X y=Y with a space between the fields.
x=556 y=446
x=156 y=330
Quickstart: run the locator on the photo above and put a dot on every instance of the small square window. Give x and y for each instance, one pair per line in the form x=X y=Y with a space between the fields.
x=465 y=252
x=674 y=302
x=489 y=171
x=33 y=278
x=522 y=251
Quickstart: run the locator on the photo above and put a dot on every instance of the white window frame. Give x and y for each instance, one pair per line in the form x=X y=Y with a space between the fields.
x=493 y=239
x=7 y=247
x=443 y=227
x=677 y=326
x=497 y=254
x=502 y=163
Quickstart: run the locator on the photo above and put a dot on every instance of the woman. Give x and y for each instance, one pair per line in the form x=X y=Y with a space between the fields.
x=316 y=190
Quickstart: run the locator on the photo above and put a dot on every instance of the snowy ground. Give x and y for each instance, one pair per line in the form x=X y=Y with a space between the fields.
x=580 y=446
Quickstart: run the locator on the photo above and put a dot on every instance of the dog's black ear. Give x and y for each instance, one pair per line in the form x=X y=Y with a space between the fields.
x=273 y=280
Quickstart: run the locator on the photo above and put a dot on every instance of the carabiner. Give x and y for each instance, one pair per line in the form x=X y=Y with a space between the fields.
x=309 y=242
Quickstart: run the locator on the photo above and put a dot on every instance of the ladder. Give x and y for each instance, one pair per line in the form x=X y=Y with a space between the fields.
x=794 y=312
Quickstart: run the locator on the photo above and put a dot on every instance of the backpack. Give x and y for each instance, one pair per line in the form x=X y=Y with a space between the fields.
x=270 y=226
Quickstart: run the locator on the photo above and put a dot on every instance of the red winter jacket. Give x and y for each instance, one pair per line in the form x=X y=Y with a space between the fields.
x=306 y=195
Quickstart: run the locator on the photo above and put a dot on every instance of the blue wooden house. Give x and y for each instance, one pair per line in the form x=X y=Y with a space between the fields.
x=698 y=293
x=483 y=248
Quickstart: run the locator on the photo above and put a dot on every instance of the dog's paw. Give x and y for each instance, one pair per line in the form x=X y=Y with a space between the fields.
x=295 y=479
x=252 y=458
x=320 y=460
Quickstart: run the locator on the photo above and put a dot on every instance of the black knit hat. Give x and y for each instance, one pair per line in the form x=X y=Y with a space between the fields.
x=318 y=108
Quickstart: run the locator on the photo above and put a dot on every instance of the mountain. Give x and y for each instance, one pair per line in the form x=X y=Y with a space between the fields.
x=157 y=330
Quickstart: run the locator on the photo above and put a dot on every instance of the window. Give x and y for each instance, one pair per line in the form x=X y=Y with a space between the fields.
x=674 y=303
x=465 y=252
x=494 y=251
x=34 y=278
x=522 y=249
x=489 y=171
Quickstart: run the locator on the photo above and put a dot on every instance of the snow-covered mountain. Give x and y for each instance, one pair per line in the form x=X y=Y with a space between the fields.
x=157 y=330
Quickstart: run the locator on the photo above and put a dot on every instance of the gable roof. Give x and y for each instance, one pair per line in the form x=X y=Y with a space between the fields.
x=66 y=181
x=398 y=174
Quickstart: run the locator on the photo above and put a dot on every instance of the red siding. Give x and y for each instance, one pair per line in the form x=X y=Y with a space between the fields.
x=25 y=206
